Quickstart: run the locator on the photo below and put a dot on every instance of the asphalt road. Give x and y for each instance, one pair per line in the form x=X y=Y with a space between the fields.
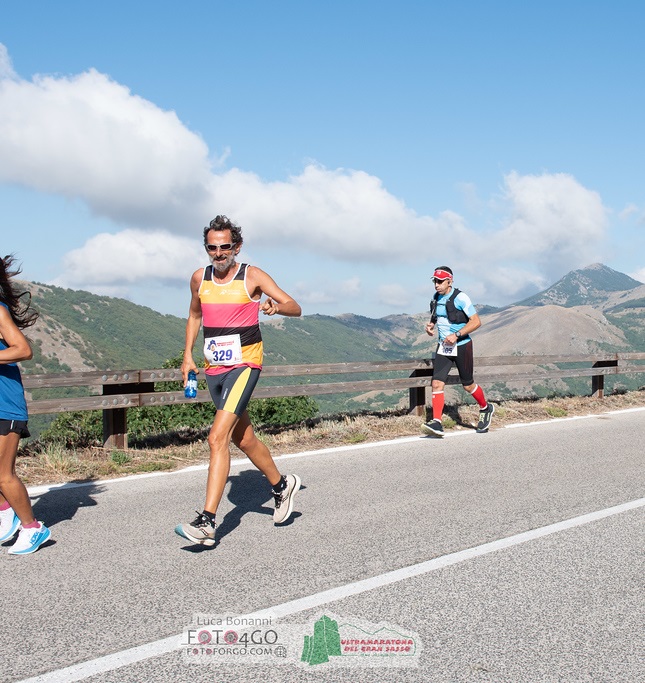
x=561 y=604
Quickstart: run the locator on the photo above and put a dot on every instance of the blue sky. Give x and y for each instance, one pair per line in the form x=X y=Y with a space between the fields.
x=359 y=144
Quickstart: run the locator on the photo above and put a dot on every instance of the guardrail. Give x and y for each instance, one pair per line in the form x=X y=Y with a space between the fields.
x=118 y=391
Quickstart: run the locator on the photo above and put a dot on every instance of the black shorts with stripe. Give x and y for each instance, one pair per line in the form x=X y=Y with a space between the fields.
x=231 y=391
x=17 y=426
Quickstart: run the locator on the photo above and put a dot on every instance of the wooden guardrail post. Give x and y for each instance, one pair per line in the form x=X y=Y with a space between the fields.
x=115 y=428
x=598 y=381
x=418 y=394
x=115 y=420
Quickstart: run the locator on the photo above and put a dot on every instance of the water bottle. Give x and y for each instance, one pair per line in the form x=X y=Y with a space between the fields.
x=190 y=391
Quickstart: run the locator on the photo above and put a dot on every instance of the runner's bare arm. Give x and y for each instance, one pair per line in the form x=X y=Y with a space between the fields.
x=193 y=324
x=278 y=301
x=473 y=324
x=18 y=347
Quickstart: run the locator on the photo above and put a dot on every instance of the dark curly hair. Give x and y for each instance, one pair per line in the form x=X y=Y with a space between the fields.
x=21 y=312
x=223 y=223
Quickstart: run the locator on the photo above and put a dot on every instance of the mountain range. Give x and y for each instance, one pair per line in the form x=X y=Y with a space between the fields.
x=591 y=309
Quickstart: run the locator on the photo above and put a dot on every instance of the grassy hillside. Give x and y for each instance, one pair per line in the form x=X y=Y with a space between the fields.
x=326 y=339
x=106 y=332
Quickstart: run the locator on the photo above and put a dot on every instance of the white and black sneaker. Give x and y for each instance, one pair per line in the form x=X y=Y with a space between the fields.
x=284 y=499
x=201 y=530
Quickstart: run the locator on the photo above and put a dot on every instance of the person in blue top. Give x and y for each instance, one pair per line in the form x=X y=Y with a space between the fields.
x=454 y=317
x=16 y=514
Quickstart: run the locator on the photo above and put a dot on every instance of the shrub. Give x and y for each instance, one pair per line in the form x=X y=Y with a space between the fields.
x=282 y=411
x=82 y=429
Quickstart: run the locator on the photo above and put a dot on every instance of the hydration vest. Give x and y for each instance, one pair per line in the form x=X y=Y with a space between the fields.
x=454 y=314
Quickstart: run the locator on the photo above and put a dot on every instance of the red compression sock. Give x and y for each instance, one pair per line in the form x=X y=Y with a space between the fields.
x=478 y=395
x=438 y=401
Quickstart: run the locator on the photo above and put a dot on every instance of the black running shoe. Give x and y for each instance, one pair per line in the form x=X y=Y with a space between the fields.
x=485 y=416
x=433 y=427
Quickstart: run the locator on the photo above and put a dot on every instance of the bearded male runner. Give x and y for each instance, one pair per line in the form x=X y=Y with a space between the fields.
x=225 y=296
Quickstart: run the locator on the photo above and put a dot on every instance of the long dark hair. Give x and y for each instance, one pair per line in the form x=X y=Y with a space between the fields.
x=21 y=312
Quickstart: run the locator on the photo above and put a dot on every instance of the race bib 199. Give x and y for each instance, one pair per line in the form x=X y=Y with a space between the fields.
x=446 y=349
x=226 y=350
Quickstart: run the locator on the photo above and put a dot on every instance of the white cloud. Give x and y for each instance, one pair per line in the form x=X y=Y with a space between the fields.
x=347 y=213
x=639 y=275
x=106 y=261
x=469 y=193
x=6 y=67
x=628 y=211
x=316 y=294
x=548 y=225
x=350 y=288
x=394 y=295
x=89 y=138
x=303 y=293
x=554 y=222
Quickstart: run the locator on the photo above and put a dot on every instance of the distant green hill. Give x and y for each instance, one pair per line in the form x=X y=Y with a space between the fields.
x=78 y=330
x=342 y=339
x=101 y=331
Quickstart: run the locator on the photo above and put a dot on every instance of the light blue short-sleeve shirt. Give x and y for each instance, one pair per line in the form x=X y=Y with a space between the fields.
x=462 y=302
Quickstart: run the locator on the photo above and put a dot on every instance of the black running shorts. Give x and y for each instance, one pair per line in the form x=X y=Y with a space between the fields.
x=17 y=426
x=231 y=391
x=442 y=365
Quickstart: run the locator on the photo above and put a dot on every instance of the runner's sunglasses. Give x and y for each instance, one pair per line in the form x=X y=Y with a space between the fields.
x=437 y=280
x=222 y=247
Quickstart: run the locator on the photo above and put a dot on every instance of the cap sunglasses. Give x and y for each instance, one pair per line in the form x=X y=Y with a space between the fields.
x=222 y=247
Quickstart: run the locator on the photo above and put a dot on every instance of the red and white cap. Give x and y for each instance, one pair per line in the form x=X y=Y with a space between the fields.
x=442 y=274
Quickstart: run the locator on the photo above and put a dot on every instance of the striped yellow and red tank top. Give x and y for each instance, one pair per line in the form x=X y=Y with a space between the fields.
x=227 y=309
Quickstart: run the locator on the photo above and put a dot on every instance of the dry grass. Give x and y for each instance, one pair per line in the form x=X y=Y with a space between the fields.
x=55 y=464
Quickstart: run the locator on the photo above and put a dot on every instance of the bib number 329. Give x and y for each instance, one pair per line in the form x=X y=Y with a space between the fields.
x=225 y=350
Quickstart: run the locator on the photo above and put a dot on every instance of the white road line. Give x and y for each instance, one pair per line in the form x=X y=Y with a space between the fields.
x=78 y=672
x=237 y=462
x=573 y=417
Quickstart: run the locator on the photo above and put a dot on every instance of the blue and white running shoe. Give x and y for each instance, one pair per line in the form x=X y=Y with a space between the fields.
x=29 y=540
x=9 y=524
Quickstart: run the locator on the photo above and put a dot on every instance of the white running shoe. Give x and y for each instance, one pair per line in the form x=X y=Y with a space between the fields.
x=29 y=540
x=9 y=524
x=284 y=499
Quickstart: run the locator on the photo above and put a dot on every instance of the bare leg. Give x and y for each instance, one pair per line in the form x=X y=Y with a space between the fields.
x=219 y=441
x=13 y=490
x=245 y=439
x=437 y=385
